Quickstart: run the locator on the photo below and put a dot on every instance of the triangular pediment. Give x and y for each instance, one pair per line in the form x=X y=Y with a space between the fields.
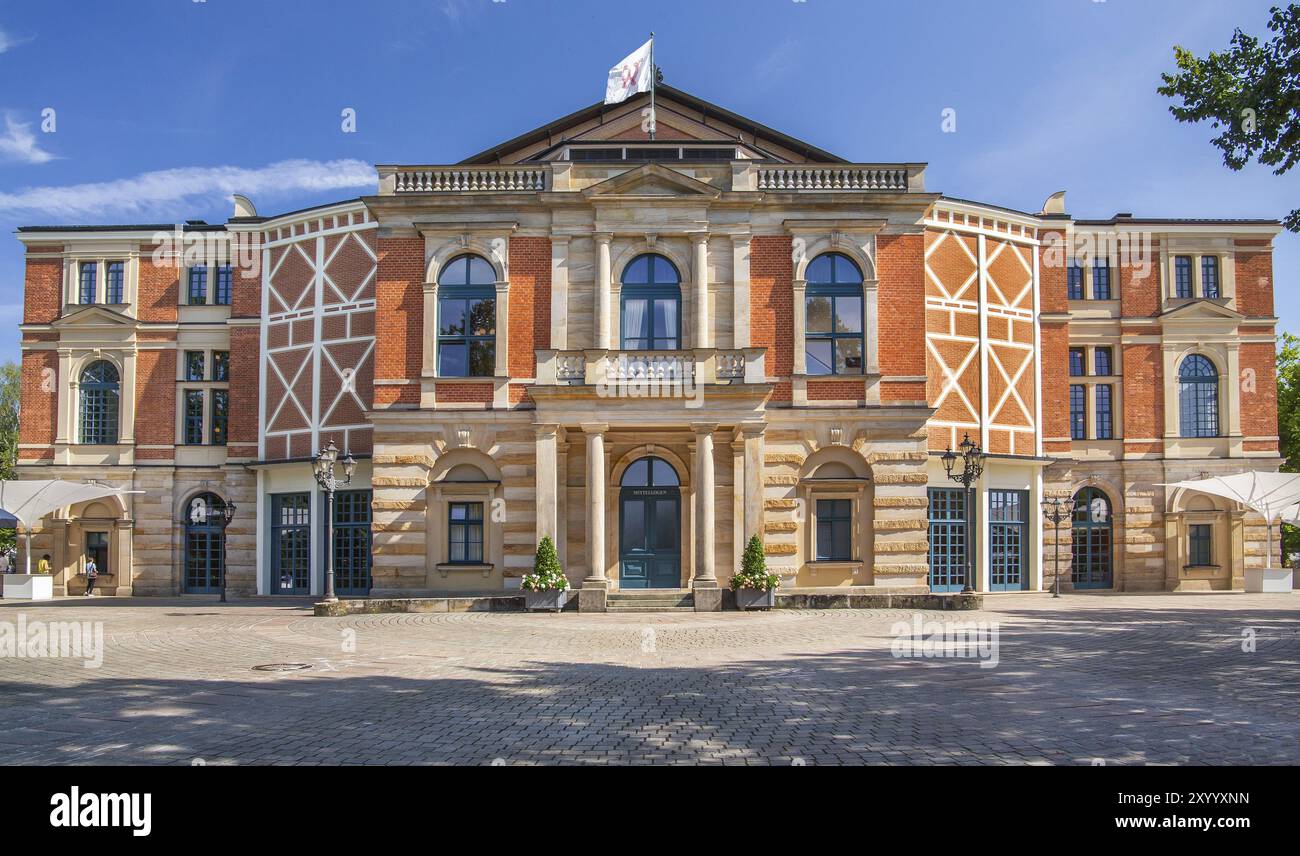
x=93 y=316
x=1202 y=309
x=651 y=181
x=681 y=118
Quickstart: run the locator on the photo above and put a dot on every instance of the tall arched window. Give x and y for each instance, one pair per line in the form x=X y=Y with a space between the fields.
x=1198 y=397
x=1093 y=551
x=833 y=342
x=100 y=391
x=467 y=318
x=652 y=304
x=205 y=539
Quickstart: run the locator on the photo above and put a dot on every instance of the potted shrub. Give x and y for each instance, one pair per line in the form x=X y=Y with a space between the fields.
x=546 y=588
x=753 y=585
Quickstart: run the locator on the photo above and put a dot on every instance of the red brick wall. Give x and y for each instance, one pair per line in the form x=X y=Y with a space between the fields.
x=245 y=350
x=900 y=261
x=42 y=291
x=1259 y=407
x=1144 y=396
x=771 y=305
x=1254 y=273
x=155 y=401
x=399 y=313
x=1054 y=354
x=1140 y=294
x=463 y=392
x=39 y=406
x=159 y=293
x=530 y=303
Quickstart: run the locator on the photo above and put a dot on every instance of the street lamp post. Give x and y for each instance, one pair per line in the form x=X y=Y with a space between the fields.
x=972 y=467
x=323 y=467
x=1056 y=510
x=225 y=513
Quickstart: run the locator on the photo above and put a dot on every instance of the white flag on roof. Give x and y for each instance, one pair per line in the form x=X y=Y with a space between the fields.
x=632 y=75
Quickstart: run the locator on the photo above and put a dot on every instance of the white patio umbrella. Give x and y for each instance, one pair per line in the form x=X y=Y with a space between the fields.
x=1272 y=495
x=29 y=500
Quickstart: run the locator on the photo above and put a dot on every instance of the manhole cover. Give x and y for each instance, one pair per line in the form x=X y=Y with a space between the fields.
x=282 y=667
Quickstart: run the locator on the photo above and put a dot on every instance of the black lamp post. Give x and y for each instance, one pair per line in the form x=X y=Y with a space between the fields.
x=225 y=512
x=1056 y=510
x=323 y=467
x=972 y=467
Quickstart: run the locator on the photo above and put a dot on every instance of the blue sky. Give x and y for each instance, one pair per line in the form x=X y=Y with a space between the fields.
x=164 y=106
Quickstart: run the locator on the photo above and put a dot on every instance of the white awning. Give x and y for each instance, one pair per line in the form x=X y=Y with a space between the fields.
x=1272 y=495
x=29 y=500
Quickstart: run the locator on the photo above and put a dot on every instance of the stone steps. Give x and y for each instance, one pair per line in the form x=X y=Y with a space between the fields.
x=651 y=600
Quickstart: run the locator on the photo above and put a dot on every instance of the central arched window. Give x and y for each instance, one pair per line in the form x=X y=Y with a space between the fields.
x=1092 y=565
x=833 y=342
x=467 y=318
x=205 y=540
x=649 y=472
x=100 y=392
x=1198 y=397
x=652 y=304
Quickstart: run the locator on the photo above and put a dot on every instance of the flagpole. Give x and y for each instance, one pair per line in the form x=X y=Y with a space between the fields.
x=654 y=119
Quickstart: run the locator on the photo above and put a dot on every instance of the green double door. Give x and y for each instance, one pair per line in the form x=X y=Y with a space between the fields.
x=650 y=550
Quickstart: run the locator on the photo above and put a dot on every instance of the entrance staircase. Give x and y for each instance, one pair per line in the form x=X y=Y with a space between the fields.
x=650 y=600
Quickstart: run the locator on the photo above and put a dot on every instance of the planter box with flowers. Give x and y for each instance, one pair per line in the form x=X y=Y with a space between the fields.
x=546 y=588
x=753 y=585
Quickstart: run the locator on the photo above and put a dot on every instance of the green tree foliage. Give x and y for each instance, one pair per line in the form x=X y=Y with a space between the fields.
x=10 y=396
x=547 y=574
x=1250 y=93
x=1288 y=421
x=753 y=569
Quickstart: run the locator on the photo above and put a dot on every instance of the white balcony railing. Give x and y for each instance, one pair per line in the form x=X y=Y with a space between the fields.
x=654 y=366
x=705 y=366
x=446 y=179
x=862 y=177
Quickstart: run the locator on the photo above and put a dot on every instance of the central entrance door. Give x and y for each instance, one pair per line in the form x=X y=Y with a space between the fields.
x=650 y=518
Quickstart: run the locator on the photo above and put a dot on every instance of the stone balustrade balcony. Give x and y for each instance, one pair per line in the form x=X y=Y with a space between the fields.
x=699 y=366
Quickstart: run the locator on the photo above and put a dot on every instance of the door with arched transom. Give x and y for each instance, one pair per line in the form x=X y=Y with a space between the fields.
x=649 y=526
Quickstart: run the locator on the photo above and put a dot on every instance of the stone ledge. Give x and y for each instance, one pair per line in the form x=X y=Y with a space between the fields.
x=832 y=600
x=374 y=606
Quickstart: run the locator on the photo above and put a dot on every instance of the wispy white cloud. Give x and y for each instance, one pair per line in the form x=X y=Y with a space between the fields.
x=18 y=143
x=167 y=191
x=780 y=60
x=8 y=40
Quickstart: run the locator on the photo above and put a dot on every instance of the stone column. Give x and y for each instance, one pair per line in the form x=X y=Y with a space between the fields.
x=546 y=482
x=591 y=597
x=708 y=597
x=503 y=330
x=429 y=340
x=701 y=242
x=800 y=311
x=754 y=454
x=602 y=292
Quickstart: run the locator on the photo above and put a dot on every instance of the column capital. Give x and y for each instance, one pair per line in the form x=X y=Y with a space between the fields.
x=752 y=429
x=595 y=428
x=704 y=428
x=603 y=237
x=431 y=286
x=698 y=238
x=547 y=429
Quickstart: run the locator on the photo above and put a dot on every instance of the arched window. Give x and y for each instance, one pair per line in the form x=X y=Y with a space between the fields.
x=1198 y=397
x=1093 y=550
x=100 y=391
x=467 y=318
x=652 y=304
x=833 y=342
x=649 y=472
x=205 y=540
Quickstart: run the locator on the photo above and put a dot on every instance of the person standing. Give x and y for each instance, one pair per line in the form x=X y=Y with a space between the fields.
x=43 y=566
x=92 y=571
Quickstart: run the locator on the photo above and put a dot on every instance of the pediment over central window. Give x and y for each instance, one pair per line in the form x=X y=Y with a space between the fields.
x=651 y=181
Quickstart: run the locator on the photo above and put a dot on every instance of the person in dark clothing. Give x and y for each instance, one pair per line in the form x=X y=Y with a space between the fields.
x=92 y=571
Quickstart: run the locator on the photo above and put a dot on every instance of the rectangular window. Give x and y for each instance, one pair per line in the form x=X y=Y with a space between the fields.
x=198 y=286
x=194 y=365
x=1076 y=362
x=193 y=417
x=465 y=531
x=1105 y=420
x=947 y=539
x=1182 y=276
x=1210 y=276
x=290 y=543
x=1008 y=539
x=221 y=365
x=220 y=406
x=224 y=278
x=89 y=281
x=352 y=542
x=834 y=530
x=1075 y=280
x=833 y=327
x=1198 y=544
x=467 y=335
x=1101 y=279
x=115 y=273
x=1078 y=412
x=1101 y=362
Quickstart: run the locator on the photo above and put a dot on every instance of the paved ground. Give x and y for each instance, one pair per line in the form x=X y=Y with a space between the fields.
x=1086 y=679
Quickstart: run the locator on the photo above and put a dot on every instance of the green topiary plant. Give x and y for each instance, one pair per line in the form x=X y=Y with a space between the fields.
x=753 y=571
x=547 y=574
